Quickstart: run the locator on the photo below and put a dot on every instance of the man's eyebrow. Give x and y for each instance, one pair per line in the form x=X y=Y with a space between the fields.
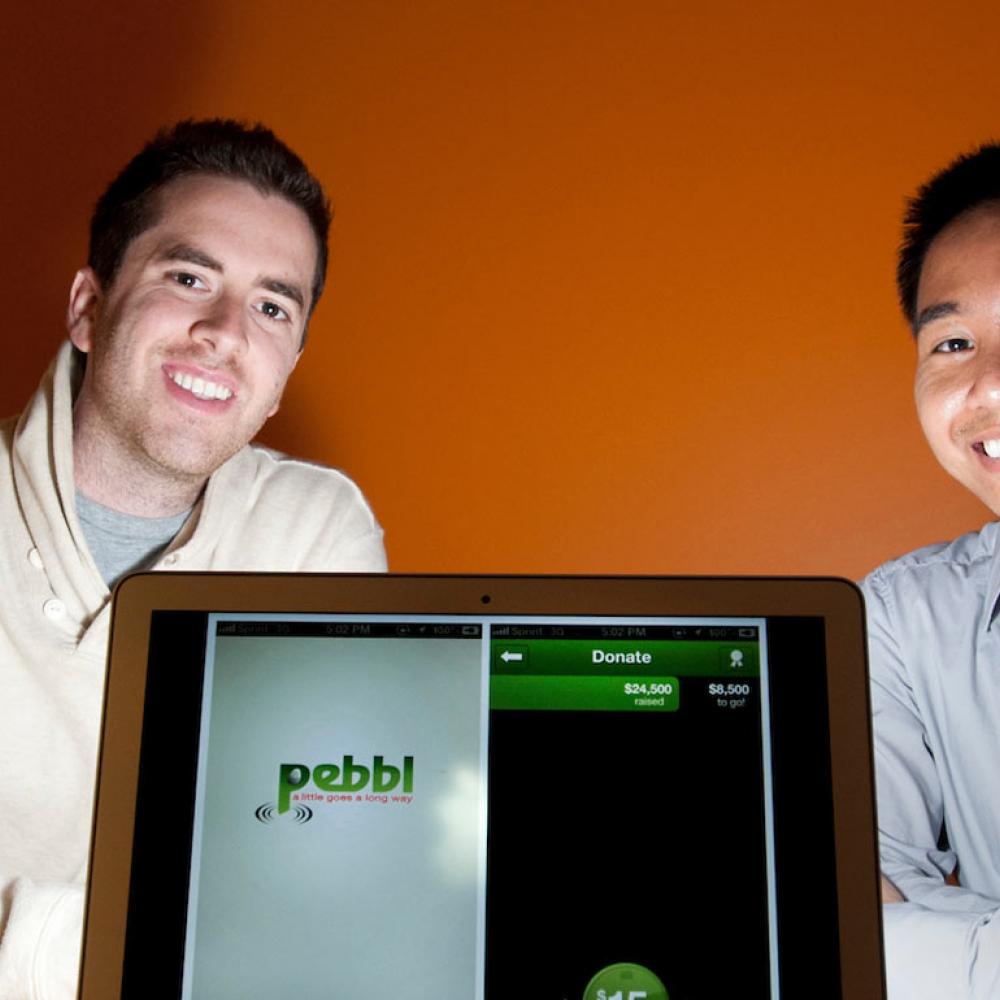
x=937 y=311
x=190 y=255
x=292 y=292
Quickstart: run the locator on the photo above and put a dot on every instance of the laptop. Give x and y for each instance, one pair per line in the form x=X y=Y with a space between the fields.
x=475 y=788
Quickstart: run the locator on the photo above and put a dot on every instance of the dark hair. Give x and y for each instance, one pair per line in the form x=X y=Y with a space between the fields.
x=970 y=181
x=218 y=146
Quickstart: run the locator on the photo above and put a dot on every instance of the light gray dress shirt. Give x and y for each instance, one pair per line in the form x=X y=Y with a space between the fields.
x=934 y=646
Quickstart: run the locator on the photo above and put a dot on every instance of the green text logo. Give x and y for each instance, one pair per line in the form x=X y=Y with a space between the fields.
x=344 y=777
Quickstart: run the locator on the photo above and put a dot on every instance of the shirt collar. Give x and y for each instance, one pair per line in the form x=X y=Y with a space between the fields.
x=993 y=582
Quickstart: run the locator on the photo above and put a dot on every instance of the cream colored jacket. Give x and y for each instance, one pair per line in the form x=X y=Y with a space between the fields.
x=259 y=511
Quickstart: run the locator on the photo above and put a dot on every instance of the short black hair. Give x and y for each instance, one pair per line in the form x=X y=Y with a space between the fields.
x=967 y=183
x=216 y=146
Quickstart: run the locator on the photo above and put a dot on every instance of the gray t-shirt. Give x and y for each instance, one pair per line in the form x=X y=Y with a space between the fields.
x=121 y=543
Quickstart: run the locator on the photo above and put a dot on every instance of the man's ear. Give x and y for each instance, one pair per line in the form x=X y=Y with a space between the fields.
x=85 y=297
x=277 y=405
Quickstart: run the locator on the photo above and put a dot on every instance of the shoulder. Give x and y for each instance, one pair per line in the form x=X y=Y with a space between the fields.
x=962 y=563
x=271 y=475
x=928 y=596
x=286 y=513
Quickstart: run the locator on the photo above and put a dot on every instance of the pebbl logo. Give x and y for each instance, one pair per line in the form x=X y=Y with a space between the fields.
x=345 y=778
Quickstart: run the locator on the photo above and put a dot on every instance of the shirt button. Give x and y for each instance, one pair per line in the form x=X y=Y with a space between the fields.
x=170 y=559
x=54 y=609
x=35 y=558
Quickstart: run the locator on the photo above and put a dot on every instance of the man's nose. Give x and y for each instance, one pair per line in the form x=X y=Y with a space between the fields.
x=221 y=324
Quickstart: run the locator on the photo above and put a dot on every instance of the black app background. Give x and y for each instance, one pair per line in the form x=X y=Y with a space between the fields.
x=628 y=837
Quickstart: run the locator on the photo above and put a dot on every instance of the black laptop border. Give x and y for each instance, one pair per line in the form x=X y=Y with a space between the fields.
x=807 y=872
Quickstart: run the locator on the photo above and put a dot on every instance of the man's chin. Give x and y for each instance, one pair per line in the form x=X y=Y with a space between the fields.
x=975 y=473
x=988 y=494
x=192 y=463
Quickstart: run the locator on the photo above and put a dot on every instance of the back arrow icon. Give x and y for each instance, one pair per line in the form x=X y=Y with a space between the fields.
x=507 y=656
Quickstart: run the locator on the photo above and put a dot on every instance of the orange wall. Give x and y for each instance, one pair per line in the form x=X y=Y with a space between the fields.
x=611 y=284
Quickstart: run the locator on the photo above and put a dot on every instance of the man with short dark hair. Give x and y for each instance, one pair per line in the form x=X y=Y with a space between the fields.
x=934 y=615
x=207 y=257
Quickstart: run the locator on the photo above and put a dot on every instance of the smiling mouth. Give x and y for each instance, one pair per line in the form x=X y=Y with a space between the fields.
x=204 y=389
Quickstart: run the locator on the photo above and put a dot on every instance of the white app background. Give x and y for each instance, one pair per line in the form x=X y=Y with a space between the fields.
x=364 y=899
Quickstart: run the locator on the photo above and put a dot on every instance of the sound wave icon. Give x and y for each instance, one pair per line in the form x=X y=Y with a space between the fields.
x=268 y=813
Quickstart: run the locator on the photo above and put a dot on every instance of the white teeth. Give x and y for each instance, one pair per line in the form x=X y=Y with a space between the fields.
x=992 y=447
x=200 y=387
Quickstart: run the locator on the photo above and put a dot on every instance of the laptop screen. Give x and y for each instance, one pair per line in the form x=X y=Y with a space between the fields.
x=484 y=805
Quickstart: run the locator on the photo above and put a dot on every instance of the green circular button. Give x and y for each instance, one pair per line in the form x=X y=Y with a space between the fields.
x=625 y=981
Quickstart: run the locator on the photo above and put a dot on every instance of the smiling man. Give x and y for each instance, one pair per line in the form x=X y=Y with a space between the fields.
x=934 y=616
x=207 y=257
